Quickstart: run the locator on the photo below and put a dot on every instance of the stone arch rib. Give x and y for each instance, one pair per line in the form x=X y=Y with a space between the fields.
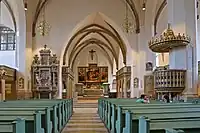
x=136 y=15
x=111 y=48
x=92 y=41
x=158 y=13
x=86 y=44
x=11 y=13
x=102 y=29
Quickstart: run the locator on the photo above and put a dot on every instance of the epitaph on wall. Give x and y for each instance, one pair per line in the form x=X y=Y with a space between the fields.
x=45 y=70
x=149 y=66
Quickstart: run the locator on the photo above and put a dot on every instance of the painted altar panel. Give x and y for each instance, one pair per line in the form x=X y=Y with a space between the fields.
x=104 y=74
x=92 y=74
x=81 y=74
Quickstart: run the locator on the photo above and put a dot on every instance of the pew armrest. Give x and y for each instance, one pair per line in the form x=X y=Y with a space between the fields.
x=173 y=131
x=41 y=130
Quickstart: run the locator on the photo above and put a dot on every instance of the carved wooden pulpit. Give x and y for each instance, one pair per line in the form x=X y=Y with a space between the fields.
x=45 y=70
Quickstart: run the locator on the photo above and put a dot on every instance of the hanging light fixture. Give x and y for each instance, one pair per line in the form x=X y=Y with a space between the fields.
x=128 y=25
x=25 y=5
x=144 y=6
x=43 y=26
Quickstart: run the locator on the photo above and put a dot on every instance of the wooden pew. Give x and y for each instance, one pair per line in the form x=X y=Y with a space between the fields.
x=106 y=112
x=118 y=114
x=66 y=106
x=131 y=123
x=62 y=110
x=35 y=104
x=33 y=122
x=107 y=104
x=47 y=122
x=188 y=125
x=16 y=126
x=135 y=111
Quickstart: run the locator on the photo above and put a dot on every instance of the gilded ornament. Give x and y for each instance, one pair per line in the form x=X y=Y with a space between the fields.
x=168 y=40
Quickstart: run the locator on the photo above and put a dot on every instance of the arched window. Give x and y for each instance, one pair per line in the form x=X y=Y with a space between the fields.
x=8 y=39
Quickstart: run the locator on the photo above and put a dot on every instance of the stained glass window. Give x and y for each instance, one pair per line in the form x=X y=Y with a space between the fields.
x=8 y=39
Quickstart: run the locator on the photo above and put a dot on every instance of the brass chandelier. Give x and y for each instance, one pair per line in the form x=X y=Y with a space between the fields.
x=128 y=24
x=43 y=26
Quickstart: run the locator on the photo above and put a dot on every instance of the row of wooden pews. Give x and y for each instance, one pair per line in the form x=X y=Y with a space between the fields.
x=35 y=116
x=127 y=116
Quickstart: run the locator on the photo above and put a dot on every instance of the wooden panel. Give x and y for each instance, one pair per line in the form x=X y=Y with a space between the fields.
x=149 y=84
x=93 y=73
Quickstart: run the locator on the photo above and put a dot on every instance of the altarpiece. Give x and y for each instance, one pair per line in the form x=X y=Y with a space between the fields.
x=45 y=70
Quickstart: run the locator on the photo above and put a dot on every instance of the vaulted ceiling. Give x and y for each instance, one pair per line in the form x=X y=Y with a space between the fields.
x=99 y=32
x=96 y=31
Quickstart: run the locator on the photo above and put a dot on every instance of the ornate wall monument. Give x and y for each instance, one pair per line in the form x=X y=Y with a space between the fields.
x=45 y=70
x=149 y=84
x=171 y=79
x=123 y=78
x=68 y=82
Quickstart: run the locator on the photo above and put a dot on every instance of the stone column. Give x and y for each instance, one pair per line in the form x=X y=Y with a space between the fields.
x=0 y=10
x=182 y=17
x=125 y=86
x=146 y=33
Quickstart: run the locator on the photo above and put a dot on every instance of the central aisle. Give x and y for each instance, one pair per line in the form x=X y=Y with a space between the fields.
x=85 y=120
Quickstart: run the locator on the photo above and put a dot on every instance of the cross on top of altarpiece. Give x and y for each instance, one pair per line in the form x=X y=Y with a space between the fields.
x=92 y=53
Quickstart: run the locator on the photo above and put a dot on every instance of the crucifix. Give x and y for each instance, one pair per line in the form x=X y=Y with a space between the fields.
x=92 y=53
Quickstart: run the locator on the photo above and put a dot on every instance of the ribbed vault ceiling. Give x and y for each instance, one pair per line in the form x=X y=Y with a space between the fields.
x=95 y=30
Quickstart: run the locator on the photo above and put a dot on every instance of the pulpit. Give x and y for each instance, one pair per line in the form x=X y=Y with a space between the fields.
x=45 y=70
x=174 y=79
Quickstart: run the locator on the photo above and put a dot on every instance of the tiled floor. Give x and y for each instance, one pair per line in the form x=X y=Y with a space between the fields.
x=85 y=120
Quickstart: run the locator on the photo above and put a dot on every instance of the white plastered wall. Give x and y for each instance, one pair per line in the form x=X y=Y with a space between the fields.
x=7 y=57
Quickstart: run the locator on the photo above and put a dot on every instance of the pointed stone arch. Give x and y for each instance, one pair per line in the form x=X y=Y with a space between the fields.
x=95 y=41
x=158 y=13
x=94 y=28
